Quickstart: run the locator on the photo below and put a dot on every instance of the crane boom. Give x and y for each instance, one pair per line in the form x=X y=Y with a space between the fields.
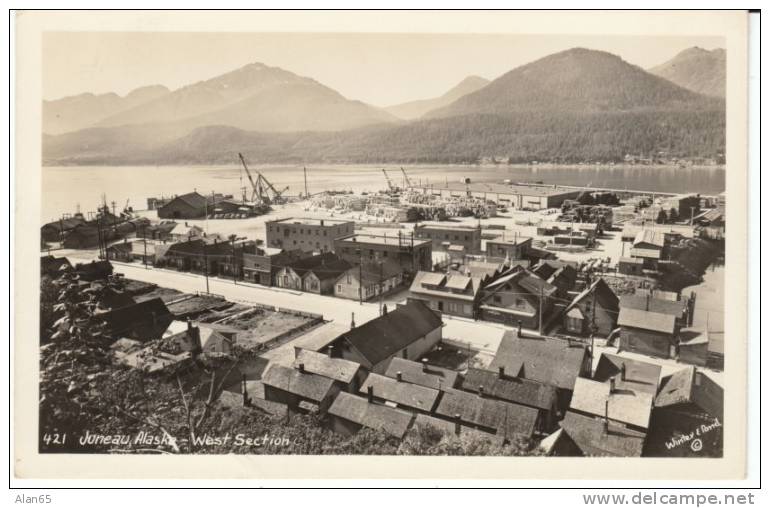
x=406 y=178
x=256 y=192
x=387 y=178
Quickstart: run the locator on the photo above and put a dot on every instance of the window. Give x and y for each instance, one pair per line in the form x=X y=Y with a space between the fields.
x=496 y=299
x=339 y=288
x=520 y=302
x=384 y=253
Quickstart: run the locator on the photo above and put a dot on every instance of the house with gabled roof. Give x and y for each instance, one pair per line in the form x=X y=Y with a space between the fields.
x=453 y=294
x=649 y=246
x=299 y=389
x=525 y=392
x=369 y=280
x=143 y=321
x=399 y=393
x=629 y=374
x=594 y=310
x=348 y=414
x=348 y=375
x=688 y=399
x=313 y=274
x=554 y=362
x=409 y=331
x=504 y=419
x=590 y=436
x=517 y=295
x=560 y=274
x=647 y=332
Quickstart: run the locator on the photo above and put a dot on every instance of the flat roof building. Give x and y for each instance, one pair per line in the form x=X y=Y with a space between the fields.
x=444 y=236
x=410 y=253
x=518 y=196
x=307 y=234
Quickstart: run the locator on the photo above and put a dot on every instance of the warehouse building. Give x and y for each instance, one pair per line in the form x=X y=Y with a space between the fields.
x=518 y=196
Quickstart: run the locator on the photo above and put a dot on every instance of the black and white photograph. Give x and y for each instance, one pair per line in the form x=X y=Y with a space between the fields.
x=410 y=243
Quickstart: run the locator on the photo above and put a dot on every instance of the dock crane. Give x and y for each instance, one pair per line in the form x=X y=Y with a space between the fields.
x=391 y=187
x=259 y=189
x=256 y=189
x=406 y=178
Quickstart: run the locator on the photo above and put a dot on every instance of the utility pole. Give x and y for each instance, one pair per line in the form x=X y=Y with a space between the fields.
x=540 y=314
x=360 y=277
x=206 y=266
x=235 y=278
x=306 y=192
x=381 y=289
x=100 y=238
x=144 y=237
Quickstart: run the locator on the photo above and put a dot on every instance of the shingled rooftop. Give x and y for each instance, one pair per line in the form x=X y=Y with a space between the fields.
x=420 y=373
x=521 y=391
x=402 y=393
x=359 y=410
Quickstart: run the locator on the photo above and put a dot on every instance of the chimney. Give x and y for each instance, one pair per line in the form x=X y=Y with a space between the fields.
x=370 y=393
x=518 y=333
x=352 y=320
x=302 y=367
x=457 y=423
x=330 y=351
x=612 y=384
x=501 y=372
x=425 y=365
x=606 y=415
x=398 y=376
x=623 y=372
x=481 y=390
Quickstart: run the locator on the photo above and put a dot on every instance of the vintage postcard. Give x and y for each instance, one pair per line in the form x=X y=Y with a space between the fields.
x=380 y=244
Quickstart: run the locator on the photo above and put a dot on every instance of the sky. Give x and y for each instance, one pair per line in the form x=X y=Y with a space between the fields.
x=380 y=69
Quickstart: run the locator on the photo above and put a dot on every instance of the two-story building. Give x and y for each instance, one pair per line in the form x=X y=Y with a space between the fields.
x=262 y=266
x=510 y=248
x=593 y=311
x=412 y=254
x=443 y=236
x=517 y=296
x=454 y=294
x=309 y=235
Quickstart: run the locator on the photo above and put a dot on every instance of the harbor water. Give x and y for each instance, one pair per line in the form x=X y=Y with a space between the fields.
x=66 y=187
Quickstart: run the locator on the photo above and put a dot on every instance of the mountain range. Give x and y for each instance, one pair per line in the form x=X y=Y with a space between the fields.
x=86 y=110
x=415 y=109
x=696 y=69
x=574 y=105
